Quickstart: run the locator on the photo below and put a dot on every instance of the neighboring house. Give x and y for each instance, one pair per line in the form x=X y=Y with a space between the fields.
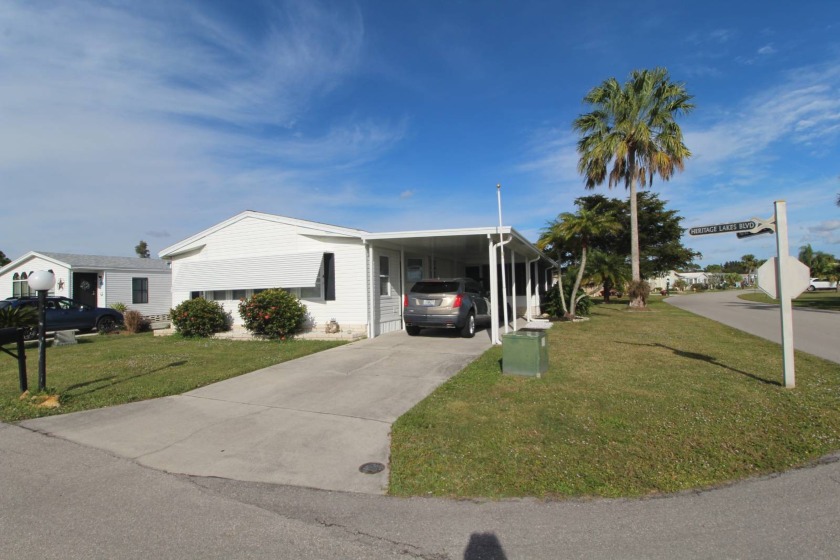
x=352 y=276
x=141 y=284
x=668 y=280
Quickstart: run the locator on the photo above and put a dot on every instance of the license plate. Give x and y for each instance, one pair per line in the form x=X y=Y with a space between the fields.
x=426 y=302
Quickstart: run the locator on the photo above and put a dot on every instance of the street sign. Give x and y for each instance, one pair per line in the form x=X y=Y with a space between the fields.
x=747 y=228
x=724 y=228
x=797 y=277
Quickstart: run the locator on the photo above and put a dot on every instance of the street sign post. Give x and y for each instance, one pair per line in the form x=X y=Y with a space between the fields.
x=782 y=259
x=780 y=283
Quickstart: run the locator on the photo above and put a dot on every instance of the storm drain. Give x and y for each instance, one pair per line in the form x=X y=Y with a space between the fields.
x=372 y=468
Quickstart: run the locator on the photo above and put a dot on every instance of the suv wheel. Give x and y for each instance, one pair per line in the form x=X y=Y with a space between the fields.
x=468 y=331
x=412 y=331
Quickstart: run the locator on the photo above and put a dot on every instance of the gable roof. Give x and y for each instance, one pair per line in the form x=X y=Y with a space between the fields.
x=194 y=242
x=98 y=262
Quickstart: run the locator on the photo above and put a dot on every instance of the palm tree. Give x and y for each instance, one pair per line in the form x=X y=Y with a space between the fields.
x=633 y=129
x=750 y=263
x=609 y=269
x=579 y=229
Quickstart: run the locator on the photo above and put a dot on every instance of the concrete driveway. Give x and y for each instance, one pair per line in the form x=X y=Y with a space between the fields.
x=309 y=422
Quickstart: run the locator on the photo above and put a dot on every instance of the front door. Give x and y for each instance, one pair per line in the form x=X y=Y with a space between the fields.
x=388 y=280
x=84 y=288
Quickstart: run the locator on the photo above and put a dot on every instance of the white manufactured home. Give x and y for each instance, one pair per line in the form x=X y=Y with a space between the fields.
x=141 y=284
x=354 y=277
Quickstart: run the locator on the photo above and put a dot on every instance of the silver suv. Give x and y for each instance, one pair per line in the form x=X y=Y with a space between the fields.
x=449 y=303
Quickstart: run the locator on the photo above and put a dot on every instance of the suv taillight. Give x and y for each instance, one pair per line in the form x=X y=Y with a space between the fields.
x=457 y=303
x=405 y=300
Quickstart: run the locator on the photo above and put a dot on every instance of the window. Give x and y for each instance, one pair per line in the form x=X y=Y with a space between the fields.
x=315 y=291
x=20 y=285
x=236 y=295
x=414 y=269
x=218 y=295
x=384 y=277
x=329 y=276
x=139 y=290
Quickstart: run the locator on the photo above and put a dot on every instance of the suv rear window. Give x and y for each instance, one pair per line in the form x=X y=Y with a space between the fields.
x=435 y=288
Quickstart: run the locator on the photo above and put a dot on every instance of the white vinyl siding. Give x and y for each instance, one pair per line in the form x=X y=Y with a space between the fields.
x=62 y=276
x=267 y=243
x=117 y=287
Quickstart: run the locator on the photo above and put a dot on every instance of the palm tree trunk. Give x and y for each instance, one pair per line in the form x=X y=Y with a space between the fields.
x=607 y=289
x=578 y=280
x=562 y=295
x=634 y=230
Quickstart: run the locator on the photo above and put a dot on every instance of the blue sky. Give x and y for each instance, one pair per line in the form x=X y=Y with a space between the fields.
x=122 y=121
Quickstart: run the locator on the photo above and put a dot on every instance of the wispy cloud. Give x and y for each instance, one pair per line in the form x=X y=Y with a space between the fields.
x=715 y=36
x=803 y=109
x=134 y=115
x=767 y=50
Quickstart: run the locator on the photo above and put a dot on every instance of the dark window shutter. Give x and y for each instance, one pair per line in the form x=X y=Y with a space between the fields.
x=329 y=276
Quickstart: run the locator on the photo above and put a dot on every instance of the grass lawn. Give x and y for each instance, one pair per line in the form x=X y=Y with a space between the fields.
x=828 y=299
x=108 y=370
x=633 y=404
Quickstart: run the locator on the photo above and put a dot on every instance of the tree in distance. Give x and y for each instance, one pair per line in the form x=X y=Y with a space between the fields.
x=142 y=250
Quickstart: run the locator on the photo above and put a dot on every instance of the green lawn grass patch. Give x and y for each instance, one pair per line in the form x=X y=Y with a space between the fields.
x=116 y=369
x=633 y=404
x=829 y=300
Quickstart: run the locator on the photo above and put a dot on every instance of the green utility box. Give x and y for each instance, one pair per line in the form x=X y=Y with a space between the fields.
x=525 y=353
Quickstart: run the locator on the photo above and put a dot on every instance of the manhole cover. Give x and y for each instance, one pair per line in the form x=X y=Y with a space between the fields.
x=372 y=468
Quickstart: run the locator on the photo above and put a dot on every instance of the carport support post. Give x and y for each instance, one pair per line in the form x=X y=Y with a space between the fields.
x=513 y=285
x=784 y=295
x=494 y=291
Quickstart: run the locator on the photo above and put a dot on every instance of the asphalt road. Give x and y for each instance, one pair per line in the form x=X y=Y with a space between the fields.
x=60 y=499
x=815 y=331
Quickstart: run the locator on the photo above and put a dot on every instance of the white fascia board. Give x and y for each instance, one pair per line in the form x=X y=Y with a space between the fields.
x=533 y=247
x=31 y=255
x=435 y=233
x=505 y=230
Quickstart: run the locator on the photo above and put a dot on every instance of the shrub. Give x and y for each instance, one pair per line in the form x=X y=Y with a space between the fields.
x=584 y=305
x=551 y=302
x=199 y=317
x=273 y=313
x=134 y=322
x=552 y=306
x=25 y=317
x=119 y=306
x=638 y=289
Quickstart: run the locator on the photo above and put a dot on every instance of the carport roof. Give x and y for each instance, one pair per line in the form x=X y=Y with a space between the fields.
x=458 y=243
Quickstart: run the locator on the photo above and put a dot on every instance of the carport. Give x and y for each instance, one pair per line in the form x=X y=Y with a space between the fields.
x=498 y=257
